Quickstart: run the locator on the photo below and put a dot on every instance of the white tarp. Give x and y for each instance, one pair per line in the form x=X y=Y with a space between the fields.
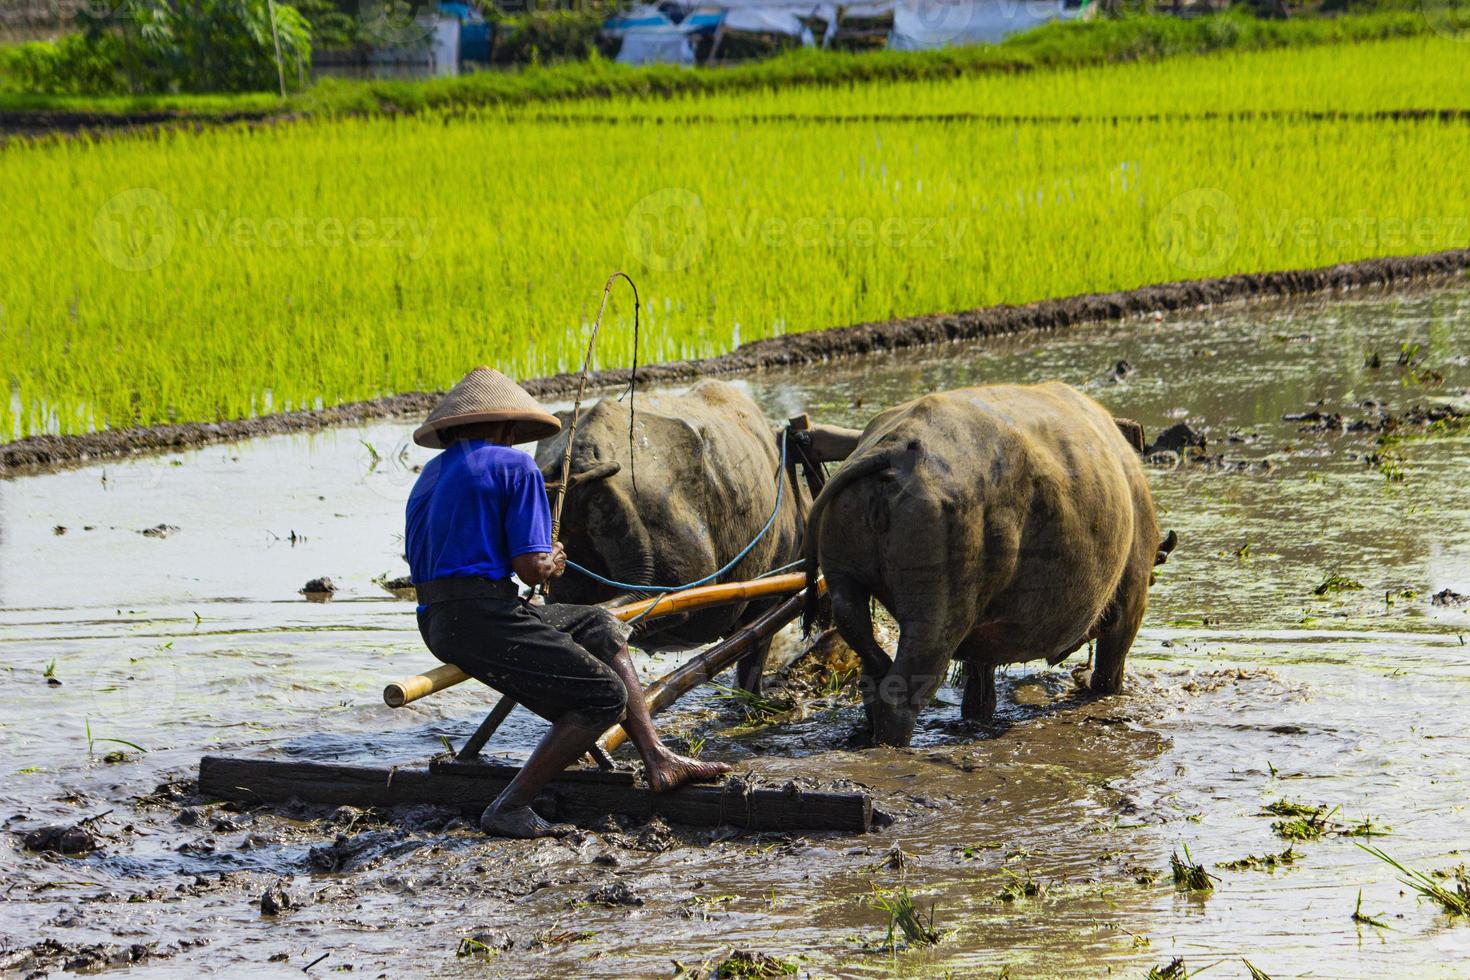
x=924 y=24
x=645 y=46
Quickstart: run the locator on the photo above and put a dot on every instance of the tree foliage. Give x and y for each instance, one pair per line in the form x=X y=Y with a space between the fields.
x=153 y=46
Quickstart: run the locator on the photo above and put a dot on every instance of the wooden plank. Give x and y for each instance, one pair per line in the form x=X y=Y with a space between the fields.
x=582 y=794
x=497 y=770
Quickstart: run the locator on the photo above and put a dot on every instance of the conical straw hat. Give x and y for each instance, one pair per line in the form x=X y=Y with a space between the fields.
x=486 y=395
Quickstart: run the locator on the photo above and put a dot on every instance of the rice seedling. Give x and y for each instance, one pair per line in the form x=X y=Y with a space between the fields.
x=893 y=859
x=1300 y=821
x=93 y=740
x=907 y=927
x=1266 y=862
x=366 y=265
x=758 y=708
x=1018 y=887
x=1256 y=973
x=1335 y=583
x=1363 y=918
x=1188 y=875
x=1418 y=72
x=1172 y=970
x=1367 y=827
x=1454 y=902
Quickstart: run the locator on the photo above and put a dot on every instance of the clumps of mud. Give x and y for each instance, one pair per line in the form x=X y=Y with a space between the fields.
x=319 y=589
x=49 y=955
x=1375 y=418
x=43 y=452
x=70 y=840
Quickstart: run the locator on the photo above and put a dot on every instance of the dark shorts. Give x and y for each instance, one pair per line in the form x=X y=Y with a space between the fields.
x=552 y=659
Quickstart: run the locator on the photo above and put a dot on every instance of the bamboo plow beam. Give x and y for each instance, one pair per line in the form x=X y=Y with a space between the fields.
x=410 y=689
x=709 y=664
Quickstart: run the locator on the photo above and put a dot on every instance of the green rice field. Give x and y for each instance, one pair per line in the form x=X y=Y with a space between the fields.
x=231 y=271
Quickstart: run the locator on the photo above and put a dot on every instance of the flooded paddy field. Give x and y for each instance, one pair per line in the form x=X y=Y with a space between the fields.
x=1300 y=647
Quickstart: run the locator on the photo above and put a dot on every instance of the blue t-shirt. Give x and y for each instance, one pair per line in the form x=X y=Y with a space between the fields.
x=474 y=507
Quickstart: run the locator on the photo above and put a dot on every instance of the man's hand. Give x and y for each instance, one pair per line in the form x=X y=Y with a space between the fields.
x=536 y=568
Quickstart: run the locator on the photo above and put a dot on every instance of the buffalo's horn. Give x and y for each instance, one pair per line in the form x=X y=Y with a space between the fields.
x=599 y=472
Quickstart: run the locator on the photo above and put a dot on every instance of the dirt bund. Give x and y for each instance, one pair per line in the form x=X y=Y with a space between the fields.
x=42 y=453
x=43 y=123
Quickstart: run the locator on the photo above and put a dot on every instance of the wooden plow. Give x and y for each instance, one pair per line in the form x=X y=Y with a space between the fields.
x=465 y=780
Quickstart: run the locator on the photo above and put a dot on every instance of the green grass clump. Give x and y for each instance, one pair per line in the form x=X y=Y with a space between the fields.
x=1018 y=887
x=1301 y=828
x=757 y=707
x=1188 y=875
x=907 y=927
x=1172 y=970
x=1267 y=862
x=1453 y=901
x=1335 y=583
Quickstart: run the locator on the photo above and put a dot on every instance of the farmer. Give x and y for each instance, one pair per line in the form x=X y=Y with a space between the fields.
x=478 y=512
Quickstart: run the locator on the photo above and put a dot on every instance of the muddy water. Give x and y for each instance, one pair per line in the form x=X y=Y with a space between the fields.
x=1245 y=688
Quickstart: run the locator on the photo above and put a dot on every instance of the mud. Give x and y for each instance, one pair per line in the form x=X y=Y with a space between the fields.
x=41 y=453
x=1042 y=843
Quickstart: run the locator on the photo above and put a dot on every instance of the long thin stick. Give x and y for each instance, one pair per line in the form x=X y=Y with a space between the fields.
x=566 y=456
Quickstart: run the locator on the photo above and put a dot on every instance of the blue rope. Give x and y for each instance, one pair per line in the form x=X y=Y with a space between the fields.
x=665 y=589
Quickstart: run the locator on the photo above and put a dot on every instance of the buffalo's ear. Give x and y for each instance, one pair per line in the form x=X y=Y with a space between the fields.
x=1133 y=432
x=601 y=471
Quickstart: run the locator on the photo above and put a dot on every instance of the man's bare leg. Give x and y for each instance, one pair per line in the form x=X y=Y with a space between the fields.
x=511 y=814
x=666 y=769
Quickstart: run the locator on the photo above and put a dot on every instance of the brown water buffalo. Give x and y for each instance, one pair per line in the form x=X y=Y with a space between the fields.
x=704 y=484
x=997 y=524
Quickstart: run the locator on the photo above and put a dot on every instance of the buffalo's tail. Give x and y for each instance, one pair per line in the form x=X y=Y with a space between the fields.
x=853 y=471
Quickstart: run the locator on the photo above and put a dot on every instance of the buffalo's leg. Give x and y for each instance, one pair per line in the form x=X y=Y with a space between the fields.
x=1117 y=632
x=854 y=619
x=752 y=666
x=979 y=700
x=924 y=651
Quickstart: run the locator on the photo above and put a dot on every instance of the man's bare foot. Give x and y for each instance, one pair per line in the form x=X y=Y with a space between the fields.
x=522 y=822
x=671 y=771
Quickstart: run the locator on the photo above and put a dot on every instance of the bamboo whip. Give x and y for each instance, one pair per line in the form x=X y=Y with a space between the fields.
x=411 y=689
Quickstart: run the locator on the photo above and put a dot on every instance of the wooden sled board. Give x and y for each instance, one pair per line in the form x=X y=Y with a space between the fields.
x=580 y=794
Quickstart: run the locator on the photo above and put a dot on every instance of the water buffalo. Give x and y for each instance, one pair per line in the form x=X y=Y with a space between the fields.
x=997 y=524
x=704 y=484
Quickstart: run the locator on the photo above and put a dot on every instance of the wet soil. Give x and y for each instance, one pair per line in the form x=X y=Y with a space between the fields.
x=1295 y=659
x=39 y=453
